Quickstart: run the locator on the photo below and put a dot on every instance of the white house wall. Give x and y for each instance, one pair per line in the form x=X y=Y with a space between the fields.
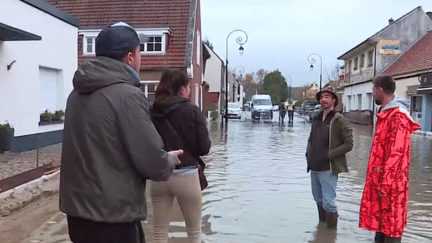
x=19 y=86
x=213 y=72
x=365 y=90
x=402 y=85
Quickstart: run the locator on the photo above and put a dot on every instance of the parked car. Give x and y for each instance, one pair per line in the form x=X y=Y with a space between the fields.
x=261 y=107
x=313 y=112
x=234 y=110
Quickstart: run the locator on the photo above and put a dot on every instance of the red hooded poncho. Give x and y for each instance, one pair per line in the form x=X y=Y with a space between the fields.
x=385 y=197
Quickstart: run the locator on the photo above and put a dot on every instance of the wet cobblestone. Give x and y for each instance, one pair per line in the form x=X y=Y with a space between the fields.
x=15 y=163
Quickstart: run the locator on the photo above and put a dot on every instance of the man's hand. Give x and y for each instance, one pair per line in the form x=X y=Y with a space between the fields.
x=175 y=154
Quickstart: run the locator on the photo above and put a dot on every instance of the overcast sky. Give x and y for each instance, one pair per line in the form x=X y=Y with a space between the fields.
x=282 y=33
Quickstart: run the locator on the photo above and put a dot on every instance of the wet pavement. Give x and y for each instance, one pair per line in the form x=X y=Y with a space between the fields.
x=259 y=190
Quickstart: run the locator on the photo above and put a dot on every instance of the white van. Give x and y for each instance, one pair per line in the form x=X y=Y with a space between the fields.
x=261 y=107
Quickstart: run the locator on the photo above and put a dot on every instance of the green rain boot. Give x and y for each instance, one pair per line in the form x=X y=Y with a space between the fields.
x=321 y=213
x=332 y=218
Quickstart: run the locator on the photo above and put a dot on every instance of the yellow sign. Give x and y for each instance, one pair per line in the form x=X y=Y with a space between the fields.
x=389 y=47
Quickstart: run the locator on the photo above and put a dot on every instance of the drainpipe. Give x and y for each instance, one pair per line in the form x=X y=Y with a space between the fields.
x=374 y=74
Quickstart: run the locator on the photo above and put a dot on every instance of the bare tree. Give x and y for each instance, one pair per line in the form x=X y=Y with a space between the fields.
x=208 y=43
x=260 y=75
x=333 y=73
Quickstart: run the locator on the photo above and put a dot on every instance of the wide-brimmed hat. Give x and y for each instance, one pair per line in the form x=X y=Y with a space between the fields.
x=331 y=90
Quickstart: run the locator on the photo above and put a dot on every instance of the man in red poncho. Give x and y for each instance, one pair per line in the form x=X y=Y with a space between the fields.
x=384 y=204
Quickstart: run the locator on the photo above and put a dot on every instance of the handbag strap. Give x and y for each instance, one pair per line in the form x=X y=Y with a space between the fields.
x=181 y=143
x=176 y=135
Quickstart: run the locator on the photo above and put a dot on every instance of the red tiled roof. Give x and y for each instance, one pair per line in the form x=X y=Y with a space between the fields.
x=174 y=14
x=416 y=59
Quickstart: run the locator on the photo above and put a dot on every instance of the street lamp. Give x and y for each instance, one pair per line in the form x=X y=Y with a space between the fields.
x=239 y=41
x=241 y=70
x=312 y=60
x=290 y=88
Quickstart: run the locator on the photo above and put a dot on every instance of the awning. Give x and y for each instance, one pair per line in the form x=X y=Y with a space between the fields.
x=9 y=33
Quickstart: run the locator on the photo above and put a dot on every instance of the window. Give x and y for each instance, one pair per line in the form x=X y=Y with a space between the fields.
x=197 y=91
x=349 y=102
x=349 y=66
x=359 y=97
x=149 y=89
x=198 y=48
x=89 y=41
x=153 y=41
x=370 y=101
x=151 y=44
x=90 y=45
x=50 y=92
x=370 y=58
x=362 y=60
x=356 y=63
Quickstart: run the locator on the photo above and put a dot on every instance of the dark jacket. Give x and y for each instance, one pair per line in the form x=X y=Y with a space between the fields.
x=110 y=145
x=340 y=143
x=190 y=125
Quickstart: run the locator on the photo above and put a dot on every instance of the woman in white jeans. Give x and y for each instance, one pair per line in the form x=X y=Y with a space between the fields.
x=181 y=126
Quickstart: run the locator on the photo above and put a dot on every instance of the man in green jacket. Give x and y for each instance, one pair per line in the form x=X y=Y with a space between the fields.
x=110 y=145
x=330 y=139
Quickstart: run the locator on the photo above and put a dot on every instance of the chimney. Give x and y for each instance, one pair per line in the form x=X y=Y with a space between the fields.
x=429 y=14
x=391 y=21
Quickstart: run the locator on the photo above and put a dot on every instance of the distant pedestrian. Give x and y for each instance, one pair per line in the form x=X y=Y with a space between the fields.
x=384 y=203
x=282 y=112
x=110 y=145
x=182 y=126
x=330 y=139
x=290 y=113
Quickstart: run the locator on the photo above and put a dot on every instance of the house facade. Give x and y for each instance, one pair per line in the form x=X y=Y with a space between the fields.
x=37 y=66
x=371 y=57
x=214 y=71
x=414 y=71
x=170 y=33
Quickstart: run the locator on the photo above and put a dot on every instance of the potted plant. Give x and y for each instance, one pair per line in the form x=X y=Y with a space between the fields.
x=58 y=115
x=46 y=116
x=6 y=136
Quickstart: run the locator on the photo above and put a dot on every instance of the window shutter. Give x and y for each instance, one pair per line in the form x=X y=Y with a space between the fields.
x=47 y=89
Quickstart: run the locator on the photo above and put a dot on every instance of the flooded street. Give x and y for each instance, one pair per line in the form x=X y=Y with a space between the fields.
x=259 y=190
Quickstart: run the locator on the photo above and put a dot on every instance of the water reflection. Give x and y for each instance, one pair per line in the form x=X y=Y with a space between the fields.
x=259 y=190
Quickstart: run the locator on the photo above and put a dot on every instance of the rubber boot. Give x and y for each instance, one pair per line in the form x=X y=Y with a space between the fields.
x=392 y=240
x=379 y=237
x=332 y=218
x=321 y=213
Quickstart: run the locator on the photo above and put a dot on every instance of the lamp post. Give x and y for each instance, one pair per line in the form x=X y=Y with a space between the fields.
x=312 y=60
x=239 y=41
x=290 y=88
x=240 y=71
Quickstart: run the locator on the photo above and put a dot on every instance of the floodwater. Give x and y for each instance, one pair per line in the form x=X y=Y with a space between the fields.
x=259 y=190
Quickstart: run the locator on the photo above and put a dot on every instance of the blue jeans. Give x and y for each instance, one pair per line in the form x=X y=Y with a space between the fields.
x=324 y=189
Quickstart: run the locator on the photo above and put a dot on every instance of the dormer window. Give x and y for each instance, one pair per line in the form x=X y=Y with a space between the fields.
x=151 y=44
x=152 y=40
x=89 y=41
x=90 y=45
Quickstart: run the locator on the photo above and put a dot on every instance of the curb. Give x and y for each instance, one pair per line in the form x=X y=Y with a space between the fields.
x=423 y=133
x=20 y=196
